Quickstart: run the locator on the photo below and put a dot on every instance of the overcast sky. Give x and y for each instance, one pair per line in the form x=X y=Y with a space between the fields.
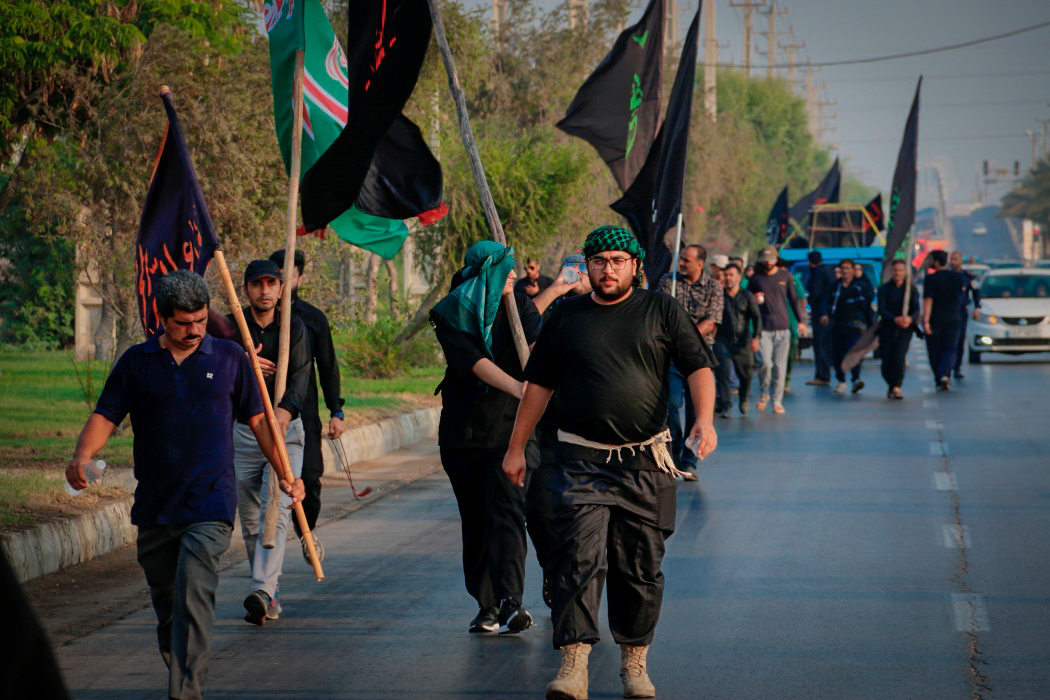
x=977 y=102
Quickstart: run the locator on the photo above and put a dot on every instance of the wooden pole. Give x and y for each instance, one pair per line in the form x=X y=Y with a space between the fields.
x=284 y=337
x=677 y=252
x=284 y=469
x=479 y=172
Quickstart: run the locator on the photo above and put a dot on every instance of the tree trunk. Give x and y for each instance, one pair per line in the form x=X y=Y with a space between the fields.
x=392 y=271
x=420 y=318
x=372 y=289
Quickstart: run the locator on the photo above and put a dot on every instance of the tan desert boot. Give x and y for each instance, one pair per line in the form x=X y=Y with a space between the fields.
x=571 y=681
x=636 y=683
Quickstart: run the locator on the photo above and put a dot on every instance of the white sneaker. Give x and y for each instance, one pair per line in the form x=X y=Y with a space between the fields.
x=840 y=388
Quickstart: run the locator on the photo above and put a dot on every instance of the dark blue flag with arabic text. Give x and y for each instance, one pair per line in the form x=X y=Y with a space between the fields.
x=175 y=231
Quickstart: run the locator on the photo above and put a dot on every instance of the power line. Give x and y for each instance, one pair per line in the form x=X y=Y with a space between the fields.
x=940 y=105
x=910 y=54
x=946 y=76
x=967 y=137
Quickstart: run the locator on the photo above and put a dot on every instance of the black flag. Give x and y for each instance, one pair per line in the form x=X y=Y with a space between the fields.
x=652 y=203
x=175 y=230
x=385 y=48
x=617 y=109
x=874 y=209
x=827 y=192
x=405 y=178
x=902 y=194
x=777 y=223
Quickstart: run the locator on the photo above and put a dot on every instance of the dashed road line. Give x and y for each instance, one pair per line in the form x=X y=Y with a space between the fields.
x=939 y=448
x=930 y=403
x=970 y=613
x=955 y=536
x=945 y=481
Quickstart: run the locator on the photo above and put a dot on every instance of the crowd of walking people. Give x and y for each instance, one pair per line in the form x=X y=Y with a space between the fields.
x=576 y=445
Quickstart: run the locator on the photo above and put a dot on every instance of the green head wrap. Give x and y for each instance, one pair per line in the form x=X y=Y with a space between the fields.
x=609 y=238
x=472 y=306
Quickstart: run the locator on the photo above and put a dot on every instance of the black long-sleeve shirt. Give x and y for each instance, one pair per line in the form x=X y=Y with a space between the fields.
x=322 y=354
x=741 y=319
x=891 y=303
x=973 y=291
x=298 y=360
x=821 y=280
x=848 y=305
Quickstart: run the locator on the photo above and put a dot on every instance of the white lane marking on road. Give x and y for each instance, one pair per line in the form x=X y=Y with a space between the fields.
x=970 y=613
x=929 y=403
x=935 y=425
x=945 y=481
x=953 y=539
x=928 y=390
x=939 y=449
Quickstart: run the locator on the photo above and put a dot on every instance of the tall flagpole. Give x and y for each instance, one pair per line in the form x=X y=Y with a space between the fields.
x=284 y=342
x=677 y=252
x=479 y=172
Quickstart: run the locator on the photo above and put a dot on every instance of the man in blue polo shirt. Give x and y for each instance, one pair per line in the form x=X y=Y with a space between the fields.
x=183 y=389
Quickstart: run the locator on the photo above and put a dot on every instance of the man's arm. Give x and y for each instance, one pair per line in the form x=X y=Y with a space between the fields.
x=799 y=304
x=927 y=311
x=702 y=391
x=554 y=290
x=328 y=374
x=261 y=429
x=530 y=410
x=92 y=438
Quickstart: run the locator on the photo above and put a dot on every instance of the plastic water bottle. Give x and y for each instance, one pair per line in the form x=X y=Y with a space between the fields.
x=93 y=472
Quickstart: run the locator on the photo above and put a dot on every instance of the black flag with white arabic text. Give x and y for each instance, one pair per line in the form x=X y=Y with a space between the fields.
x=617 y=109
x=175 y=230
x=902 y=193
x=653 y=201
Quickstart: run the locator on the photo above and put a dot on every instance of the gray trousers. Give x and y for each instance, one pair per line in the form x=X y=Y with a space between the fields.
x=180 y=563
x=775 y=346
x=253 y=494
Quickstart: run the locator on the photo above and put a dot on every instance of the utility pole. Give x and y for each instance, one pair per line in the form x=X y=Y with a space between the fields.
x=771 y=37
x=670 y=25
x=710 y=63
x=822 y=116
x=499 y=17
x=790 y=48
x=577 y=14
x=747 y=7
x=1035 y=145
x=811 y=100
x=1044 y=122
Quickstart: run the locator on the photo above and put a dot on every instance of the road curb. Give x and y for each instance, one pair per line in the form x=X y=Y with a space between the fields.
x=48 y=547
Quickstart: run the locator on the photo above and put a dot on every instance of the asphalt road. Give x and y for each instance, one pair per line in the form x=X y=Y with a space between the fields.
x=852 y=548
x=996 y=243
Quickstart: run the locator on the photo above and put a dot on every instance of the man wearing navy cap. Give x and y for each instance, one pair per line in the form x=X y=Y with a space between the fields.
x=263 y=285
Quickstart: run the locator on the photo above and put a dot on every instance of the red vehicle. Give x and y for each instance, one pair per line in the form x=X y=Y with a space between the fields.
x=923 y=245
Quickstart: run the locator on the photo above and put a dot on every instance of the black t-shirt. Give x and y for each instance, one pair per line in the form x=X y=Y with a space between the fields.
x=542 y=282
x=610 y=363
x=946 y=287
x=474 y=414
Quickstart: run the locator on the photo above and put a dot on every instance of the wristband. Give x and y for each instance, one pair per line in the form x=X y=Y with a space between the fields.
x=337 y=414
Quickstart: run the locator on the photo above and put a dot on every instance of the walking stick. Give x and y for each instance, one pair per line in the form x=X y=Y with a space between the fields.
x=677 y=252
x=284 y=469
x=284 y=342
x=479 y=172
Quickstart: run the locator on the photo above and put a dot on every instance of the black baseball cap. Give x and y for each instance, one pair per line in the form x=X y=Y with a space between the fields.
x=257 y=269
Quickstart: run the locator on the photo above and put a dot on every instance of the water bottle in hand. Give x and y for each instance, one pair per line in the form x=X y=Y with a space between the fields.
x=93 y=472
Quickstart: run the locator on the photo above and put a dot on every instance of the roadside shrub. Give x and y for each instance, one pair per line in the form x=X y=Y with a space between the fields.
x=370 y=351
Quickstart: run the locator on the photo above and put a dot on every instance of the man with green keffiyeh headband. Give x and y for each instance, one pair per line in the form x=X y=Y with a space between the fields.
x=608 y=353
x=479 y=398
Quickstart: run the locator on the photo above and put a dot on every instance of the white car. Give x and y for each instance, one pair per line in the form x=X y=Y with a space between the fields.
x=1014 y=317
x=980 y=229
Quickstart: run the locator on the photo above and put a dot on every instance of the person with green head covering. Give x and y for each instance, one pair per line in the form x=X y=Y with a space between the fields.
x=608 y=354
x=479 y=398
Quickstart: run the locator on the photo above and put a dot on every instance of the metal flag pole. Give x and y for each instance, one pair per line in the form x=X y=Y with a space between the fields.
x=284 y=342
x=479 y=172
x=677 y=252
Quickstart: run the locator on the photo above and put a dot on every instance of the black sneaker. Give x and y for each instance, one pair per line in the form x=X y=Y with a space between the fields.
x=858 y=385
x=318 y=547
x=256 y=605
x=943 y=383
x=959 y=375
x=485 y=622
x=512 y=617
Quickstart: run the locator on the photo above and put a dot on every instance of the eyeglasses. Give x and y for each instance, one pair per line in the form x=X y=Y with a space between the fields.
x=614 y=263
